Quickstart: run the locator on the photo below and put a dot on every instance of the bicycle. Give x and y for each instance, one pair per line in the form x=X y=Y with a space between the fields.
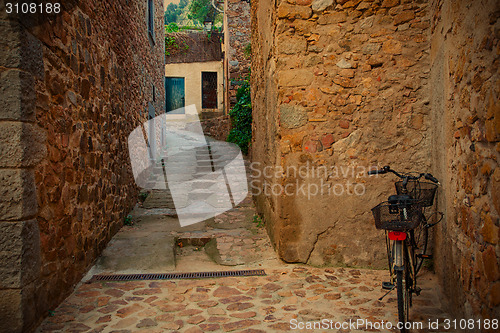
x=406 y=228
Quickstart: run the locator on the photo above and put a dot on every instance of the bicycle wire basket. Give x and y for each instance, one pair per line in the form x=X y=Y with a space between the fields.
x=398 y=216
x=422 y=191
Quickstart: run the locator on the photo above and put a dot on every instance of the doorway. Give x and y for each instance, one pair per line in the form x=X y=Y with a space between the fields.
x=174 y=93
x=209 y=90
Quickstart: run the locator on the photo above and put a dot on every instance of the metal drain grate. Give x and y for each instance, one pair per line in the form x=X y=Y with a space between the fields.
x=172 y=276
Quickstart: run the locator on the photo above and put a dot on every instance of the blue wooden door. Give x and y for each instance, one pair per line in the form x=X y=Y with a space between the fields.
x=174 y=93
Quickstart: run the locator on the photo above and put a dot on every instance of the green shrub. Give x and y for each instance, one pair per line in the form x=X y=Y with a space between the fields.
x=248 y=50
x=190 y=27
x=171 y=27
x=258 y=221
x=241 y=118
x=128 y=220
x=143 y=196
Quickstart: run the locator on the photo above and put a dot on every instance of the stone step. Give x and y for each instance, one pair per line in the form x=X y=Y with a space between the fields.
x=159 y=199
x=204 y=163
x=132 y=252
x=203 y=169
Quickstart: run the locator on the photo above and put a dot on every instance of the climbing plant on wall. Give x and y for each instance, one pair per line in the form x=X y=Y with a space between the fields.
x=174 y=43
x=241 y=117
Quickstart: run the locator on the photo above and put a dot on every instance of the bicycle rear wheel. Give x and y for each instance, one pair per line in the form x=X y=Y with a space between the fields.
x=403 y=298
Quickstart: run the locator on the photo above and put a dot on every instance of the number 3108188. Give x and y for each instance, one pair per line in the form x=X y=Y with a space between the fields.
x=33 y=8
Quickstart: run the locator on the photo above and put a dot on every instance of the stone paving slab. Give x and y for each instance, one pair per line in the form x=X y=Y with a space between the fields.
x=132 y=252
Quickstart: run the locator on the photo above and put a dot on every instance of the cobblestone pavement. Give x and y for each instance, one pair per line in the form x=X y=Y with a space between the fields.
x=288 y=296
x=250 y=304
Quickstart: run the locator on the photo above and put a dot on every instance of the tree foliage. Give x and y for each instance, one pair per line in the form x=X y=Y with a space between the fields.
x=173 y=11
x=201 y=10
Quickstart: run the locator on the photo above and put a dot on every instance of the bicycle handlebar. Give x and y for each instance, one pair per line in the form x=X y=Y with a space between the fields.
x=406 y=177
x=379 y=172
x=431 y=178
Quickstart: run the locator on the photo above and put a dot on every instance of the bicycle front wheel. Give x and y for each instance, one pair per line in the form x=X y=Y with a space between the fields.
x=403 y=298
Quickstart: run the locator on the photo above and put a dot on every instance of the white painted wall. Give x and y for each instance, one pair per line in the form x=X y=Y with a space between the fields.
x=191 y=72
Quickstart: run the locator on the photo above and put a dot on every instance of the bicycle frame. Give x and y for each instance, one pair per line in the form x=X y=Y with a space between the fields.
x=402 y=270
x=398 y=255
x=402 y=258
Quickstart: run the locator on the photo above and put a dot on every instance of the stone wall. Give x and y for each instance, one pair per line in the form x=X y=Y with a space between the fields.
x=238 y=27
x=217 y=127
x=83 y=81
x=413 y=84
x=21 y=149
x=338 y=86
x=193 y=46
x=466 y=139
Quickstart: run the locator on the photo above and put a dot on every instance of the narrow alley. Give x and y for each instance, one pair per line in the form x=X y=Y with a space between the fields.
x=249 y=166
x=288 y=295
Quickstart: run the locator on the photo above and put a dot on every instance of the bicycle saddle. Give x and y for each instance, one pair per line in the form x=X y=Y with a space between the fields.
x=393 y=199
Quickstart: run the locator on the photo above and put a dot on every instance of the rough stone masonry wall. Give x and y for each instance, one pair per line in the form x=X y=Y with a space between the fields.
x=21 y=148
x=217 y=127
x=466 y=153
x=88 y=84
x=238 y=20
x=340 y=84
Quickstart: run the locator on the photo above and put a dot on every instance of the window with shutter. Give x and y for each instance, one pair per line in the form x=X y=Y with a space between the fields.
x=151 y=20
